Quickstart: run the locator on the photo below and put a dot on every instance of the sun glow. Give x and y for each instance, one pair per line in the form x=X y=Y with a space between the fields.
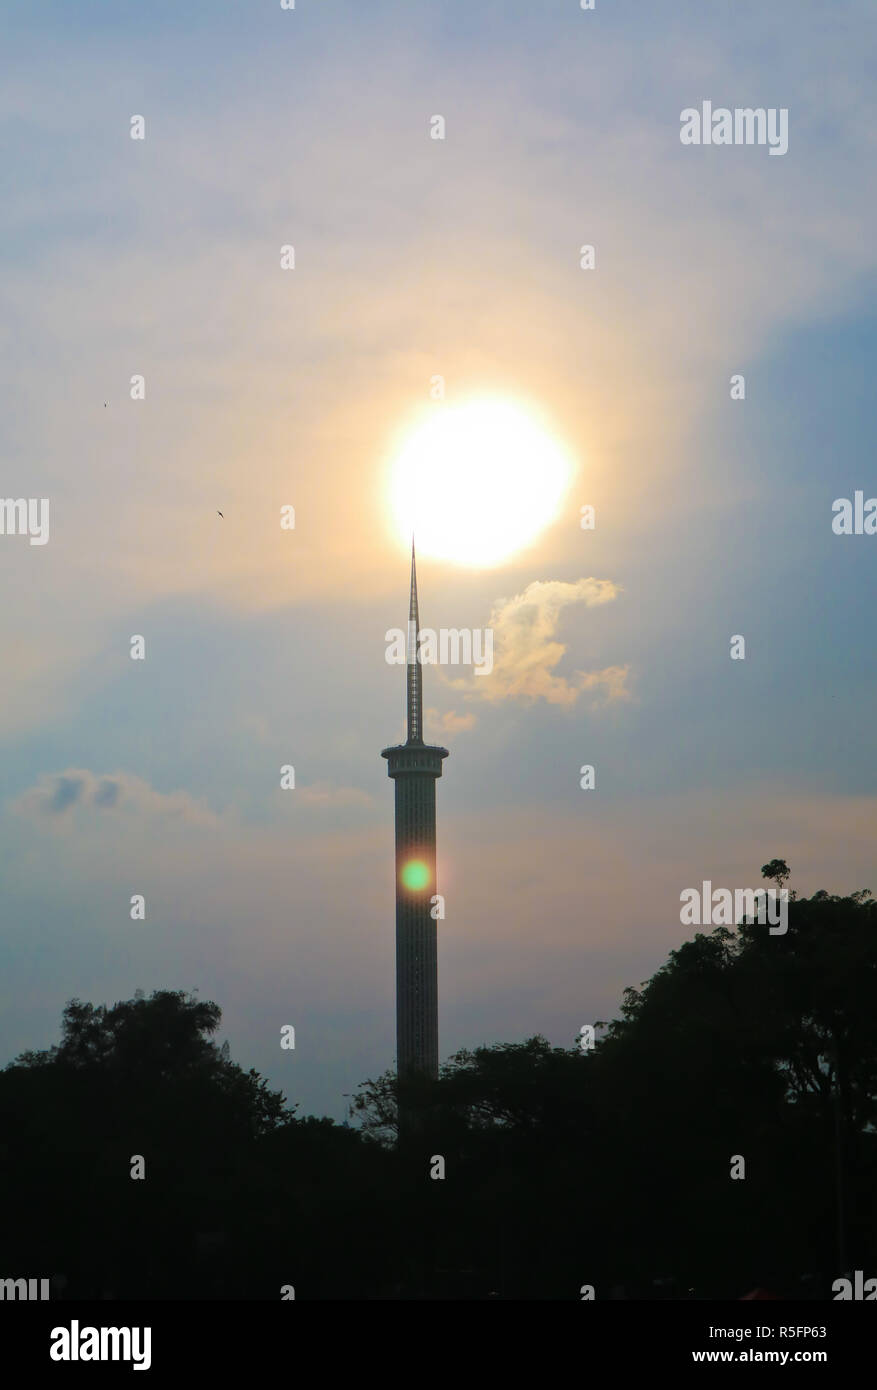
x=477 y=482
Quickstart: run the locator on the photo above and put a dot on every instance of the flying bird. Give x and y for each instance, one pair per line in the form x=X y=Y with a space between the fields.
x=220 y=514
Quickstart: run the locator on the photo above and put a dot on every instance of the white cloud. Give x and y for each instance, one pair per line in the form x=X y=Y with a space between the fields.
x=526 y=649
x=448 y=723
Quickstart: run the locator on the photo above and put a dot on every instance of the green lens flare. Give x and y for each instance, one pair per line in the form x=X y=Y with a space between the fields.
x=415 y=874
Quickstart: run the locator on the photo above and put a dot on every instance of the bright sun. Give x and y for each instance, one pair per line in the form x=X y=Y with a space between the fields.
x=477 y=482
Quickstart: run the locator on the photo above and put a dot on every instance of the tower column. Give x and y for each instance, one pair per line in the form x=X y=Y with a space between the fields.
x=414 y=766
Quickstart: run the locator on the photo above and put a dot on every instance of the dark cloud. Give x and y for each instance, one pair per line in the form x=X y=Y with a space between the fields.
x=68 y=790
x=57 y=793
x=107 y=794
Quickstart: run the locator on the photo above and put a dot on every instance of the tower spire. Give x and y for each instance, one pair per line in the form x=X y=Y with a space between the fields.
x=415 y=713
x=414 y=768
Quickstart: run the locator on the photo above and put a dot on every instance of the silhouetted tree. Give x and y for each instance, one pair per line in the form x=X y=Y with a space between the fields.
x=777 y=870
x=563 y=1167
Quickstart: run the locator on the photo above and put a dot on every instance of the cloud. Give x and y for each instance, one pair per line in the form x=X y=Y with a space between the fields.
x=449 y=723
x=68 y=790
x=526 y=650
x=377 y=283
x=57 y=795
x=107 y=794
x=326 y=794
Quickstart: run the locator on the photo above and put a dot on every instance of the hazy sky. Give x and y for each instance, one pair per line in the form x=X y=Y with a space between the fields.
x=265 y=387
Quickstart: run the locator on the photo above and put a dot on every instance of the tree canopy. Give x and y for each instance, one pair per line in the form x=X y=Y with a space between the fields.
x=563 y=1166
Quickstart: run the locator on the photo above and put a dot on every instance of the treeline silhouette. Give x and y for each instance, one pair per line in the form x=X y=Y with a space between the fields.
x=563 y=1167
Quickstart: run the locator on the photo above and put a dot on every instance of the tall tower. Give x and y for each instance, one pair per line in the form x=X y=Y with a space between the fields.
x=414 y=767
